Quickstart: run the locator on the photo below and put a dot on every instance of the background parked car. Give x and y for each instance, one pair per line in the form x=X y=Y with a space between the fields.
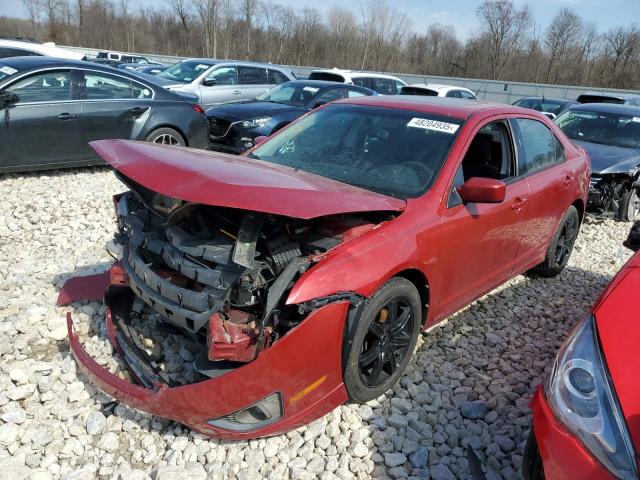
x=149 y=69
x=233 y=127
x=620 y=98
x=383 y=84
x=611 y=136
x=52 y=108
x=551 y=107
x=585 y=420
x=124 y=60
x=23 y=48
x=215 y=81
x=437 y=90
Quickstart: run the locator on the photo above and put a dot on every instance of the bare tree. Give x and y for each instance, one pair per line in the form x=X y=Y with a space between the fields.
x=182 y=10
x=248 y=9
x=505 y=29
x=562 y=34
x=208 y=13
x=33 y=7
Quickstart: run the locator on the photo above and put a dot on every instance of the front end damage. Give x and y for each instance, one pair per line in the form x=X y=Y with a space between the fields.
x=219 y=277
x=609 y=192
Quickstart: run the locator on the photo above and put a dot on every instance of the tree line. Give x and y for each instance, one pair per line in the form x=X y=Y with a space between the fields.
x=506 y=45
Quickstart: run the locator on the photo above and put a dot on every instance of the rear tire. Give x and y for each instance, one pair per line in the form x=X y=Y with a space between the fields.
x=166 y=136
x=560 y=247
x=629 y=206
x=384 y=338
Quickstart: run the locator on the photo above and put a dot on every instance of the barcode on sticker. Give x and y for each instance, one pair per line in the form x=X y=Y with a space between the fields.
x=434 y=125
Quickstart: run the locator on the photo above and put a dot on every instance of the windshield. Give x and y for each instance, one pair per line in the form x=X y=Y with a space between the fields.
x=6 y=71
x=619 y=130
x=289 y=94
x=394 y=152
x=185 y=72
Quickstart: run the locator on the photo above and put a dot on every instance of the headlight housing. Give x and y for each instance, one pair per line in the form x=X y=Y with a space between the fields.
x=257 y=415
x=581 y=395
x=256 y=122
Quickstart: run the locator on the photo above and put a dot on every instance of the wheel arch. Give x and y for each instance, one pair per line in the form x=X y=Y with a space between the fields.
x=172 y=127
x=420 y=281
x=579 y=204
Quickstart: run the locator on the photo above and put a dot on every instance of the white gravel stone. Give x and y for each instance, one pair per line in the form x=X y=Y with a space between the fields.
x=493 y=352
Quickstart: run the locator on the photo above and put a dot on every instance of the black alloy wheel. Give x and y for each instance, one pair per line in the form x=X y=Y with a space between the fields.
x=386 y=342
x=379 y=344
x=566 y=239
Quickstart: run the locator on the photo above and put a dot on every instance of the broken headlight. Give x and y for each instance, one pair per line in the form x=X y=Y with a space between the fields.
x=582 y=397
x=256 y=415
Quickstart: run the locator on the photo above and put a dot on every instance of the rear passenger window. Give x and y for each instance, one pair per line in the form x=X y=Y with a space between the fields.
x=538 y=147
x=468 y=95
x=454 y=94
x=385 y=86
x=252 y=76
x=98 y=86
x=276 y=78
x=355 y=93
x=364 y=82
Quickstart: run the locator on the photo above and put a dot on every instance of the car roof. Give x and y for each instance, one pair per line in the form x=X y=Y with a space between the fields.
x=607 y=108
x=216 y=61
x=23 y=63
x=49 y=49
x=547 y=99
x=319 y=83
x=451 y=107
x=622 y=96
x=354 y=73
x=437 y=86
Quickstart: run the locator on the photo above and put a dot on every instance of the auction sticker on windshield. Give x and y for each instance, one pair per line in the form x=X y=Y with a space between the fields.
x=434 y=125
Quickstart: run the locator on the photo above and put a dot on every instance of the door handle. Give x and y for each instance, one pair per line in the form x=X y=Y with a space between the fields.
x=567 y=180
x=66 y=116
x=519 y=203
x=137 y=111
x=237 y=92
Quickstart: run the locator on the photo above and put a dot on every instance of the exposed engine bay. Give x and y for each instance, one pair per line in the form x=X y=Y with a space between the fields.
x=222 y=275
x=609 y=194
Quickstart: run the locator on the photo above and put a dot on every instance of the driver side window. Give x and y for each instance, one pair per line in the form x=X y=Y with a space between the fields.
x=490 y=155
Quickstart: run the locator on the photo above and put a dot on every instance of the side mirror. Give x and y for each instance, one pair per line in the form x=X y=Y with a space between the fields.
x=8 y=99
x=260 y=139
x=209 y=82
x=316 y=105
x=483 y=190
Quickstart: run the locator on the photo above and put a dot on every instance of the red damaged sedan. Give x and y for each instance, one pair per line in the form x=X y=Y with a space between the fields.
x=586 y=423
x=306 y=270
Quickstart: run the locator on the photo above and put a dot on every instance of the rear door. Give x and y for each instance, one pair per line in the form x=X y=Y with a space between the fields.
x=482 y=239
x=253 y=80
x=220 y=85
x=112 y=106
x=542 y=161
x=43 y=128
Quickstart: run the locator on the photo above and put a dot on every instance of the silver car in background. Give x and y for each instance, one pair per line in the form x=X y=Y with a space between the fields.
x=219 y=81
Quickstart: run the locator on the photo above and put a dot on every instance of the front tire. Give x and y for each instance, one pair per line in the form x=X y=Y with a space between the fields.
x=166 y=136
x=561 y=246
x=629 y=206
x=383 y=340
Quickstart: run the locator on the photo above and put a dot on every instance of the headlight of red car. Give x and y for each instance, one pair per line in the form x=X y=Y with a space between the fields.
x=581 y=395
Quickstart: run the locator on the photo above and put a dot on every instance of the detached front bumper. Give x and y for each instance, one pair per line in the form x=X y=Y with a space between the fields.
x=304 y=367
x=563 y=456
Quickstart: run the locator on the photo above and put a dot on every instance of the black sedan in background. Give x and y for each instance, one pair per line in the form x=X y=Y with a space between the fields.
x=551 y=107
x=233 y=127
x=50 y=109
x=611 y=136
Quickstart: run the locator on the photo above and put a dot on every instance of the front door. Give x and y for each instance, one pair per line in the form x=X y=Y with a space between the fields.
x=221 y=85
x=112 y=107
x=481 y=240
x=42 y=128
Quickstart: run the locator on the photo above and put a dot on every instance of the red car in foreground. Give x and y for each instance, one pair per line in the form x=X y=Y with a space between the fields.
x=586 y=422
x=306 y=270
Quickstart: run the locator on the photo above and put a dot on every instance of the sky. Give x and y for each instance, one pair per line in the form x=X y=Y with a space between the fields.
x=461 y=14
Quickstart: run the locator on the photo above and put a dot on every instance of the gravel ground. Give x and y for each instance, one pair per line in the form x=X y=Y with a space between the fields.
x=469 y=382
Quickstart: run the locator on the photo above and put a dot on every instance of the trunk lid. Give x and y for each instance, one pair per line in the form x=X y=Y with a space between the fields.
x=232 y=181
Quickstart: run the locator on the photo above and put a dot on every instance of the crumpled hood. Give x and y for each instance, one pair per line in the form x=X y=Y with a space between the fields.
x=248 y=110
x=224 y=180
x=610 y=159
